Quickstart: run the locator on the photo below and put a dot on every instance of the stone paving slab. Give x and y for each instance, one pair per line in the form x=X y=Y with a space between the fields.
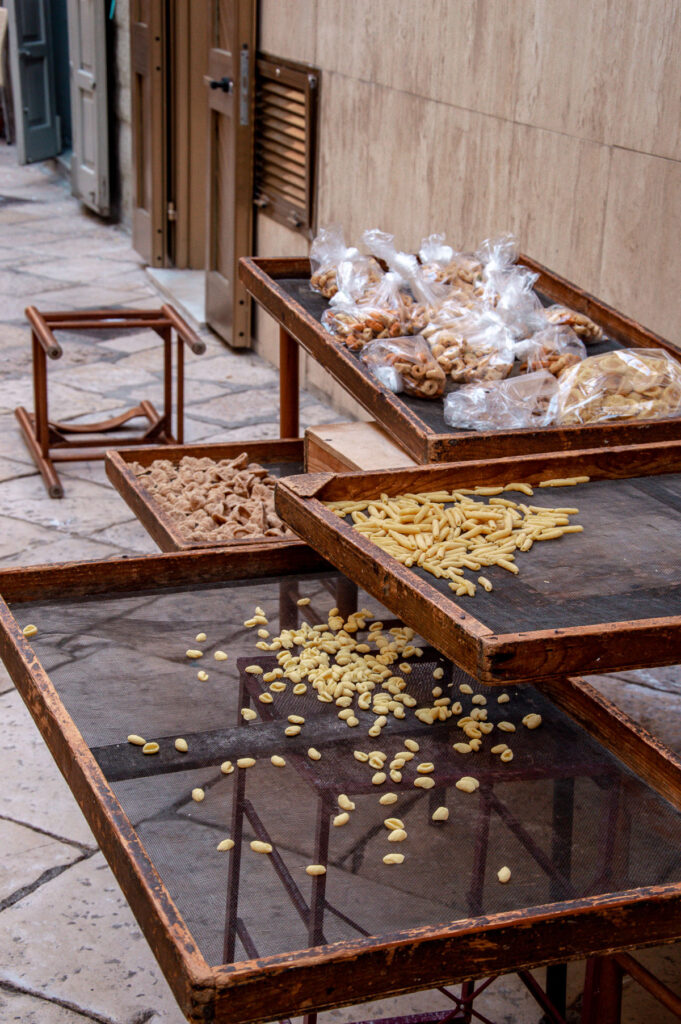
x=75 y=939
x=21 y=1008
x=26 y=855
x=33 y=791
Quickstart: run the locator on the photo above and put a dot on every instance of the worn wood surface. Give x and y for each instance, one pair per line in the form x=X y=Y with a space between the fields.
x=343 y=447
x=281 y=286
x=608 y=598
x=159 y=524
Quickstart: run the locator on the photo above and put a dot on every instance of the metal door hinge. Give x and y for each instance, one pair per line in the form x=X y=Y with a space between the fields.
x=172 y=212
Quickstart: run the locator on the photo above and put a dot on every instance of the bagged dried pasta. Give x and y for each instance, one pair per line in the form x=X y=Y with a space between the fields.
x=335 y=266
x=405 y=365
x=581 y=324
x=519 y=402
x=554 y=348
x=633 y=383
x=380 y=314
x=487 y=350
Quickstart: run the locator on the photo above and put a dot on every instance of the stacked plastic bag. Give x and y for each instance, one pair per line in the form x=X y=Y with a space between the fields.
x=469 y=327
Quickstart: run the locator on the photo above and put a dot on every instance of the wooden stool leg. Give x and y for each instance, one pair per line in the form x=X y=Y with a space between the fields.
x=289 y=382
x=602 y=1001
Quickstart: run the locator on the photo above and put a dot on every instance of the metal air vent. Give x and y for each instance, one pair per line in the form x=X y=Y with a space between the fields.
x=286 y=106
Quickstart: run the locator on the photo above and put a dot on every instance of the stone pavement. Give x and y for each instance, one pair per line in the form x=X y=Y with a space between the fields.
x=70 y=950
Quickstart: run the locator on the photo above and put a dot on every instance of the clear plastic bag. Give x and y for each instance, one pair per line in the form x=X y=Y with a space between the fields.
x=380 y=314
x=580 y=323
x=444 y=334
x=427 y=294
x=337 y=268
x=554 y=349
x=519 y=402
x=488 y=347
x=638 y=383
x=407 y=365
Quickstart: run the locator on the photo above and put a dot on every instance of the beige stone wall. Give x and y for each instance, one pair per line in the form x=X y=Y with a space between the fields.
x=558 y=120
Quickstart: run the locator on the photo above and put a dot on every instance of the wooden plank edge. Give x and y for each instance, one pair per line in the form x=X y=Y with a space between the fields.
x=620 y=462
x=355 y=971
x=170 y=940
x=286 y=449
x=154 y=520
x=629 y=742
x=597 y=648
x=174 y=569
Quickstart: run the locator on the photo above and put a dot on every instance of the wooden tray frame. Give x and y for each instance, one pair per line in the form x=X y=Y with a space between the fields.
x=347 y=972
x=494 y=658
x=260 y=277
x=157 y=522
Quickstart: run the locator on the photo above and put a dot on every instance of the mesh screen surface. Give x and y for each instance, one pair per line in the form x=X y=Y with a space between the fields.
x=625 y=565
x=565 y=816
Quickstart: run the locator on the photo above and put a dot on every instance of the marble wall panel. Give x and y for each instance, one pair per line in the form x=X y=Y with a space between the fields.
x=288 y=28
x=557 y=197
x=641 y=266
x=644 y=84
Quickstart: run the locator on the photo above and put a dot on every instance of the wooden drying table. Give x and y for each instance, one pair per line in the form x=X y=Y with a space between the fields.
x=282 y=288
x=598 y=601
x=279 y=457
x=50 y=441
x=588 y=815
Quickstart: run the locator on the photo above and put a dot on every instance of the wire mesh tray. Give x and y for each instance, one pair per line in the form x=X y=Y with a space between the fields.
x=282 y=287
x=280 y=458
x=605 y=599
x=592 y=840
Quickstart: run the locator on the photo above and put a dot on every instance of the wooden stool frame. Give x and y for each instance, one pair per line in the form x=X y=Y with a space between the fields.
x=51 y=441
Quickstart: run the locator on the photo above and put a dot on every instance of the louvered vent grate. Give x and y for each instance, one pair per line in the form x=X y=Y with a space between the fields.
x=286 y=142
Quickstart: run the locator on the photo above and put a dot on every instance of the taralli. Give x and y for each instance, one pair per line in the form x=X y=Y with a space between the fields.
x=580 y=323
x=406 y=364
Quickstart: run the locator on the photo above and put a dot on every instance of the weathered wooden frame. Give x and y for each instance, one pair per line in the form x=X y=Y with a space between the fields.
x=451 y=626
x=348 y=972
x=157 y=522
x=261 y=276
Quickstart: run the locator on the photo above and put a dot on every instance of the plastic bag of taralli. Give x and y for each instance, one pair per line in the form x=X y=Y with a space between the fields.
x=380 y=314
x=405 y=365
x=331 y=257
x=488 y=348
x=581 y=324
x=519 y=402
x=554 y=348
x=629 y=383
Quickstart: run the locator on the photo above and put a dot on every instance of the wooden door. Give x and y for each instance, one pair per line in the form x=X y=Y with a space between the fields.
x=89 y=112
x=147 y=50
x=37 y=123
x=229 y=86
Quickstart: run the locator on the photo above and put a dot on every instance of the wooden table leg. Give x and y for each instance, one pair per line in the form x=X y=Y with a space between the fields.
x=602 y=1001
x=289 y=422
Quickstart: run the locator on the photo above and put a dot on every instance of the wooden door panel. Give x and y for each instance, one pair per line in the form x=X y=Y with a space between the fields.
x=89 y=109
x=37 y=123
x=148 y=129
x=230 y=166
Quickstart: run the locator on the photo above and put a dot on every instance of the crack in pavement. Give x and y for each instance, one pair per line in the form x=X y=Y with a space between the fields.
x=140 y=1018
x=51 y=835
x=47 y=876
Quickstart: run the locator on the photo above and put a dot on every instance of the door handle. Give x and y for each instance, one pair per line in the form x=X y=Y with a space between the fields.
x=225 y=84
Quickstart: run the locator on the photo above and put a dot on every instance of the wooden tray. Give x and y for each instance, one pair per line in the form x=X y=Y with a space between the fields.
x=280 y=457
x=608 y=598
x=577 y=889
x=281 y=287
